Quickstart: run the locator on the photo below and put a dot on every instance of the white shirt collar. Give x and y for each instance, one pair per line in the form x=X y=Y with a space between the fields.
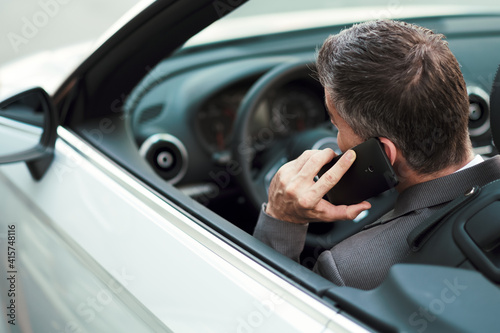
x=475 y=161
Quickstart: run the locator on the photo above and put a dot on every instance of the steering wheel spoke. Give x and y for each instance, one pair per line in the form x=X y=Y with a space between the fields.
x=270 y=162
x=261 y=159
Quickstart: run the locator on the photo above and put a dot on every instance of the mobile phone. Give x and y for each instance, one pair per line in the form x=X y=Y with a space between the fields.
x=369 y=175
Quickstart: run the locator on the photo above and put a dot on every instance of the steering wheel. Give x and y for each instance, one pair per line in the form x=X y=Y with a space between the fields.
x=255 y=179
x=273 y=149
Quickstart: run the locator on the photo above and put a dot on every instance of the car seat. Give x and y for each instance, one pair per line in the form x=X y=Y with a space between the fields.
x=466 y=232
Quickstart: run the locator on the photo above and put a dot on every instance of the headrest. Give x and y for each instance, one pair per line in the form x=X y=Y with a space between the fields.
x=495 y=110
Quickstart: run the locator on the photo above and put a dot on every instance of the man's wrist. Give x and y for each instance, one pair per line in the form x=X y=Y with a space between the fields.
x=271 y=214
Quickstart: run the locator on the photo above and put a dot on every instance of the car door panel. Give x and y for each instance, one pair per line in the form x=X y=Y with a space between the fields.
x=184 y=275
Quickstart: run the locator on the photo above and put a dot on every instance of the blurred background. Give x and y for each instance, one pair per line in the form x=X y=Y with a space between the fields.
x=29 y=26
x=60 y=33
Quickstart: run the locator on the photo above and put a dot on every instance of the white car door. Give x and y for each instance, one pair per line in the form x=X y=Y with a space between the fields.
x=91 y=248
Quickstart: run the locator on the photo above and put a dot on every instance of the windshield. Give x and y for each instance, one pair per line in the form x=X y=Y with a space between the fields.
x=260 y=17
x=256 y=7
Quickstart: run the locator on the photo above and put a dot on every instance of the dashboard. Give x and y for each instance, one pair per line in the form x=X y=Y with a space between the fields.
x=215 y=119
x=291 y=109
x=183 y=113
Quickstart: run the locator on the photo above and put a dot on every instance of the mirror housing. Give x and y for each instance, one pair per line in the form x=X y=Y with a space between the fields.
x=32 y=108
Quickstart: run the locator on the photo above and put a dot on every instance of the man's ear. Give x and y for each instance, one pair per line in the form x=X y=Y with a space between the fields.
x=390 y=149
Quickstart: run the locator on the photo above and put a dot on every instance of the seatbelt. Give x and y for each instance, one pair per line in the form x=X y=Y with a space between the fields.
x=419 y=236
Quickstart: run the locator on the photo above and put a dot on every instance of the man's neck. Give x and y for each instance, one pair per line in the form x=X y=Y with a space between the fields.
x=408 y=177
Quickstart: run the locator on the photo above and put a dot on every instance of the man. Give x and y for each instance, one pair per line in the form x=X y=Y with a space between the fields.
x=399 y=83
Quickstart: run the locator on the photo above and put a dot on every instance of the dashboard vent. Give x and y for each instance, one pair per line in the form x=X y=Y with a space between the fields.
x=479 y=111
x=150 y=113
x=167 y=155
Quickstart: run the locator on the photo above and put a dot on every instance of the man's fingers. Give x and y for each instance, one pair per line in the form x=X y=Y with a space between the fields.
x=296 y=165
x=353 y=211
x=316 y=161
x=331 y=177
x=328 y=212
x=295 y=197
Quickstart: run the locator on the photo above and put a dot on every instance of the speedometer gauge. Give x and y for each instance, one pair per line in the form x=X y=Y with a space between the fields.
x=214 y=121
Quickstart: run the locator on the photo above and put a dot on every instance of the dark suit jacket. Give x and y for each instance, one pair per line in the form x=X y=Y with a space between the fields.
x=363 y=260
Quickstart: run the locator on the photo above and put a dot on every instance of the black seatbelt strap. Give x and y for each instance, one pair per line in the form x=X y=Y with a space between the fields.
x=424 y=231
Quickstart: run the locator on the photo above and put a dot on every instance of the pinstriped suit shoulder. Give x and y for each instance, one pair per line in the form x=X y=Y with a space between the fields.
x=364 y=259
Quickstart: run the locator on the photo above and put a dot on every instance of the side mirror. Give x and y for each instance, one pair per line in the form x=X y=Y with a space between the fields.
x=28 y=130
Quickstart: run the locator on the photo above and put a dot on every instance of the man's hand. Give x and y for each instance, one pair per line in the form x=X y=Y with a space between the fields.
x=295 y=197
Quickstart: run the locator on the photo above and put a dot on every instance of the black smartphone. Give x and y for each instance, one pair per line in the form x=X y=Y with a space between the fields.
x=369 y=175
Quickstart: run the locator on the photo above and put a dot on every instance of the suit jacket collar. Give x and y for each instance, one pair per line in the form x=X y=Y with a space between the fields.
x=444 y=189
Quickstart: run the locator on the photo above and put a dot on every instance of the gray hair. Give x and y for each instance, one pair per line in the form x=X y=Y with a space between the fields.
x=400 y=81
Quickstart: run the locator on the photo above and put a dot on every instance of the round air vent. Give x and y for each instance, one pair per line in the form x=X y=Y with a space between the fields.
x=479 y=111
x=167 y=155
